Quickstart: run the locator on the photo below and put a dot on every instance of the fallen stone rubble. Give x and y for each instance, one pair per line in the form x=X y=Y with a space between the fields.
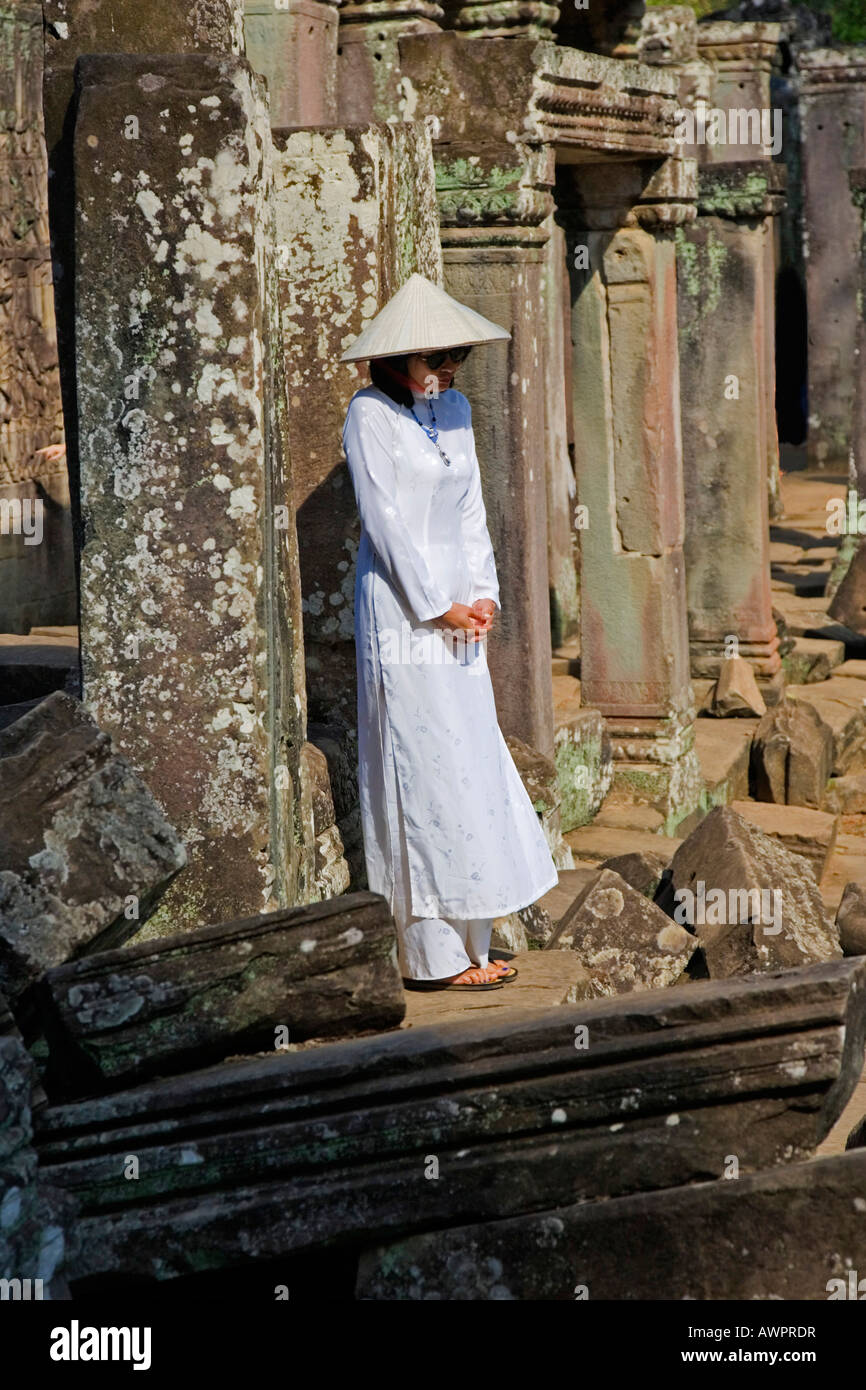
x=258 y=1158
x=85 y=850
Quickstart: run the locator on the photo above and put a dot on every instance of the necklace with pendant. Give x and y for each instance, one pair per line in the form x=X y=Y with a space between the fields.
x=431 y=431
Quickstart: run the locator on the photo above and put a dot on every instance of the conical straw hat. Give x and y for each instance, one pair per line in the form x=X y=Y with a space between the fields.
x=421 y=318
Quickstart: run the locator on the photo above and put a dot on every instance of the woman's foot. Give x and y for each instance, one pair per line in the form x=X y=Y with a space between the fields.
x=477 y=975
x=502 y=970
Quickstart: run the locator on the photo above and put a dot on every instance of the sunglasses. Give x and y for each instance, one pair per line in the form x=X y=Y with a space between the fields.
x=436 y=359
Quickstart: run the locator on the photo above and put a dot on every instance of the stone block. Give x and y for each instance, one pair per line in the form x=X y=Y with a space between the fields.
x=848 y=605
x=851 y=920
x=526 y=1110
x=813 y=659
x=810 y=834
x=753 y=905
x=241 y=987
x=595 y=843
x=85 y=850
x=642 y=870
x=847 y=795
x=330 y=871
x=784 y=1234
x=294 y=47
x=623 y=940
x=841 y=703
x=76 y=27
x=792 y=756
x=723 y=750
x=736 y=691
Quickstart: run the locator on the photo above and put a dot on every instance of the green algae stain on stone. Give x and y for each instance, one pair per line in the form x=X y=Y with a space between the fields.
x=700 y=271
x=687 y=263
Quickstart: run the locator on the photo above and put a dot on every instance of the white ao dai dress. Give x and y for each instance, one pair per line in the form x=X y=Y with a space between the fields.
x=451 y=839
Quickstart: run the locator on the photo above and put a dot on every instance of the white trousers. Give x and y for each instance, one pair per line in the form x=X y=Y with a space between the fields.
x=434 y=948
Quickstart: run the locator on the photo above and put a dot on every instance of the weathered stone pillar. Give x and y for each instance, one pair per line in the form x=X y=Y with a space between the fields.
x=370 y=86
x=499 y=271
x=293 y=45
x=857 y=473
x=723 y=260
x=743 y=58
x=563 y=534
x=832 y=96
x=628 y=450
x=73 y=28
x=190 y=625
x=355 y=216
x=726 y=278
x=37 y=574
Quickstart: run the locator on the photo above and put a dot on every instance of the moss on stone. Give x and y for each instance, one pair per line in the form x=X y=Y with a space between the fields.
x=579 y=771
x=474 y=193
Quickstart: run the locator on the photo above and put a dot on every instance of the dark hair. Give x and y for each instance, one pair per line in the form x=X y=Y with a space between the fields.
x=385 y=372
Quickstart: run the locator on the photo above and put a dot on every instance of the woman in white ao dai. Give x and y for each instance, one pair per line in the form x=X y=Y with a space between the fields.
x=451 y=838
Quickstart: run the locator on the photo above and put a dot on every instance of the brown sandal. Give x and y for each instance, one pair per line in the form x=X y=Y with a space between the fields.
x=447 y=984
x=511 y=972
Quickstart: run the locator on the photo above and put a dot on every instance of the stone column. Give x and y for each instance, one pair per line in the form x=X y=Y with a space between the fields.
x=563 y=535
x=743 y=58
x=293 y=45
x=832 y=95
x=628 y=450
x=500 y=271
x=857 y=475
x=191 y=642
x=355 y=216
x=726 y=281
x=37 y=574
x=73 y=28
x=370 y=85
x=722 y=290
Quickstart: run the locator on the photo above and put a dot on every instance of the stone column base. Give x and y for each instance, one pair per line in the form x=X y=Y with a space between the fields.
x=655 y=764
x=707 y=655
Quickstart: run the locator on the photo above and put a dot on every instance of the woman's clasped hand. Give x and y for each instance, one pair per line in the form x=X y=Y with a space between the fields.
x=477 y=618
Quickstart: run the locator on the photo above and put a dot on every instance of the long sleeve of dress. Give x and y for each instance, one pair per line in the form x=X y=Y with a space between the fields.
x=369 y=447
x=476 y=537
